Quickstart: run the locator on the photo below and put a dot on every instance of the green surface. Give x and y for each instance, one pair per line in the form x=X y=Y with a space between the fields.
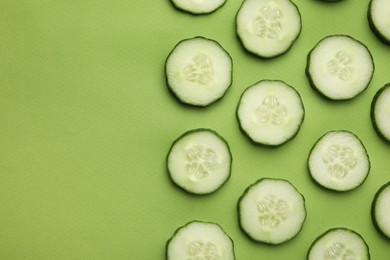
x=86 y=121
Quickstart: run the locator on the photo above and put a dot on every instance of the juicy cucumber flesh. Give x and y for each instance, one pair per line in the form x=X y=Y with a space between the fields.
x=270 y=112
x=339 y=243
x=381 y=112
x=199 y=161
x=200 y=240
x=198 y=6
x=381 y=209
x=271 y=211
x=339 y=161
x=379 y=15
x=268 y=28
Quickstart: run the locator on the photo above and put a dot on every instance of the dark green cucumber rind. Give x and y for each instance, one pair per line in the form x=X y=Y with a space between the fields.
x=311 y=81
x=194 y=131
x=373 y=210
x=333 y=229
x=329 y=188
x=239 y=211
x=197 y=221
x=273 y=56
x=373 y=111
x=373 y=28
x=196 y=14
x=174 y=93
x=268 y=144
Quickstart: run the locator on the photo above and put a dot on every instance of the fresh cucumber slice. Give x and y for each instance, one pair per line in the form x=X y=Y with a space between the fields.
x=380 y=112
x=198 y=71
x=380 y=210
x=339 y=243
x=339 y=67
x=200 y=240
x=379 y=19
x=271 y=211
x=268 y=28
x=198 y=6
x=199 y=161
x=270 y=112
x=339 y=161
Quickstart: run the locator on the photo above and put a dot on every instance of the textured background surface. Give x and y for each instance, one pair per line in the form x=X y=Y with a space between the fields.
x=86 y=122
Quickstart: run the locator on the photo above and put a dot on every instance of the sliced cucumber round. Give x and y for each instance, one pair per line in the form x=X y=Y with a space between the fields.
x=339 y=67
x=339 y=161
x=198 y=71
x=200 y=240
x=268 y=28
x=380 y=210
x=339 y=243
x=199 y=161
x=198 y=6
x=271 y=211
x=270 y=112
x=379 y=19
x=380 y=112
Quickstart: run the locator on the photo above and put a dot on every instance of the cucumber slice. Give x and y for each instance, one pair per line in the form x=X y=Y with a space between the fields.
x=198 y=71
x=339 y=67
x=271 y=211
x=339 y=243
x=270 y=112
x=339 y=161
x=198 y=6
x=380 y=112
x=199 y=161
x=379 y=19
x=380 y=210
x=268 y=28
x=200 y=240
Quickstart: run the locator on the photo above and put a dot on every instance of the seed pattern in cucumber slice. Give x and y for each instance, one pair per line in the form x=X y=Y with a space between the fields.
x=198 y=240
x=270 y=112
x=339 y=161
x=198 y=71
x=380 y=210
x=380 y=112
x=379 y=19
x=199 y=161
x=339 y=67
x=271 y=211
x=198 y=6
x=339 y=244
x=268 y=28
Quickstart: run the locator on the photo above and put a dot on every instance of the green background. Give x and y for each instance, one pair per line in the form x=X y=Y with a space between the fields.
x=86 y=121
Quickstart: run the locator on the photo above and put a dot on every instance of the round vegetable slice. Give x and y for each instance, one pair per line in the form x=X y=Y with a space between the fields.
x=379 y=19
x=198 y=71
x=339 y=243
x=200 y=240
x=199 y=161
x=270 y=112
x=380 y=112
x=339 y=67
x=380 y=210
x=198 y=6
x=339 y=161
x=268 y=28
x=271 y=211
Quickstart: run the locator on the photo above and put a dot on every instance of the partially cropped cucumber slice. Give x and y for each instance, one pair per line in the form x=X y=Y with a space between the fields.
x=339 y=161
x=198 y=71
x=200 y=240
x=380 y=112
x=270 y=112
x=268 y=28
x=380 y=210
x=271 y=211
x=198 y=6
x=340 y=67
x=199 y=161
x=339 y=243
x=379 y=19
